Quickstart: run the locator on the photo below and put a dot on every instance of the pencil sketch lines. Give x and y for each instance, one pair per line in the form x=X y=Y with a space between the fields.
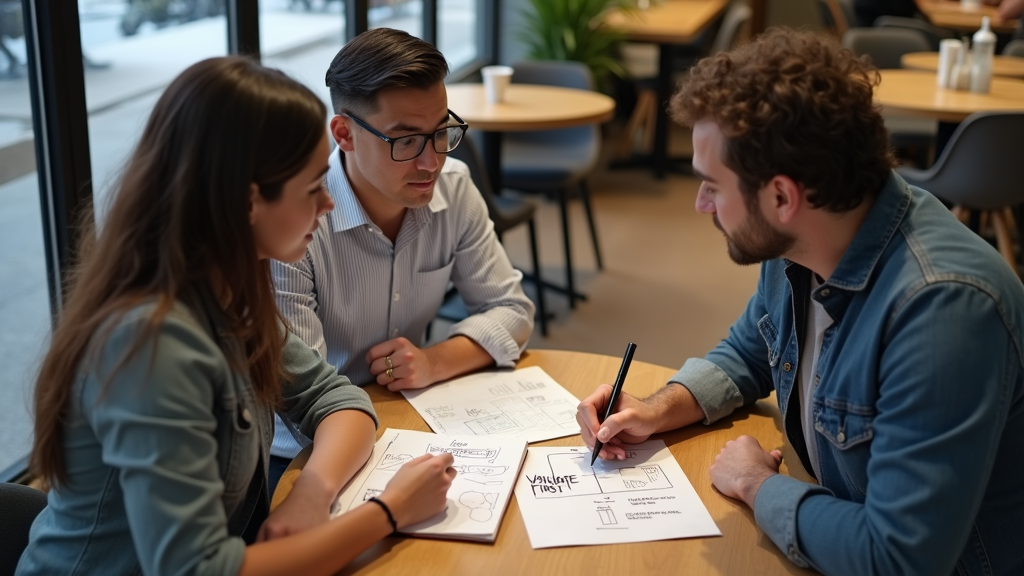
x=480 y=504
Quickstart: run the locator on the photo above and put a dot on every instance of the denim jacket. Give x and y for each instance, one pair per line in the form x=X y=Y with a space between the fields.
x=918 y=405
x=163 y=461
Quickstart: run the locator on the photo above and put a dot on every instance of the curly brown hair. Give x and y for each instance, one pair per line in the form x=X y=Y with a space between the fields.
x=798 y=104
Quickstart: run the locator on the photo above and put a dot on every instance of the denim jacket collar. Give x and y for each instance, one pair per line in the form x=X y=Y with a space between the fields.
x=874 y=235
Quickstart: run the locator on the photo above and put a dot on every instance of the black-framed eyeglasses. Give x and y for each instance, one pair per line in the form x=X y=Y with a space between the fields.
x=407 y=148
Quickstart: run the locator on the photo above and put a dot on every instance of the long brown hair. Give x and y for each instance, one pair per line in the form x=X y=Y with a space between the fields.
x=179 y=221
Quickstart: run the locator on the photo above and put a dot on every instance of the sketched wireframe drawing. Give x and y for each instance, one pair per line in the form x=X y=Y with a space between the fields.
x=393 y=461
x=480 y=504
x=610 y=478
x=607 y=515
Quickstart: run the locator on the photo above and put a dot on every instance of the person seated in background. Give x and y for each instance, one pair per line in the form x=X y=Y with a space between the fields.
x=1012 y=10
x=408 y=224
x=890 y=333
x=154 y=403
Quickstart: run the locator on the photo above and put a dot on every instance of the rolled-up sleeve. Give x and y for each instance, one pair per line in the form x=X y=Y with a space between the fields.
x=316 y=390
x=501 y=316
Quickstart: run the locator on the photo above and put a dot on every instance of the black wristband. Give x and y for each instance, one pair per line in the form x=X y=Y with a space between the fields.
x=384 y=507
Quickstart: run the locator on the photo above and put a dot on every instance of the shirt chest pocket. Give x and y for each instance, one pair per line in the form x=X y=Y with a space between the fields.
x=848 y=429
x=431 y=286
x=771 y=338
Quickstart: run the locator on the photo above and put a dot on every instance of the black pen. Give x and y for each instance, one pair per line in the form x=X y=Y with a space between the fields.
x=616 y=389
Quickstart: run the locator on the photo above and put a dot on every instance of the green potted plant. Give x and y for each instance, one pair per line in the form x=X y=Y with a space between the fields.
x=575 y=30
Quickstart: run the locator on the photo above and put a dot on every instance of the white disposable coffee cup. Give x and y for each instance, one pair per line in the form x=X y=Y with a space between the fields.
x=496 y=81
x=949 y=51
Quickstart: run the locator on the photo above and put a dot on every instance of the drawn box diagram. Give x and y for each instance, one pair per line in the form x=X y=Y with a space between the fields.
x=589 y=482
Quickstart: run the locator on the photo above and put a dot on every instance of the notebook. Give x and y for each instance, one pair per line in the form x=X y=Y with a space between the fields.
x=487 y=471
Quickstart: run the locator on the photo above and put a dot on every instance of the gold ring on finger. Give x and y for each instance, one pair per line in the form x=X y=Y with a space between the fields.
x=387 y=360
x=391 y=374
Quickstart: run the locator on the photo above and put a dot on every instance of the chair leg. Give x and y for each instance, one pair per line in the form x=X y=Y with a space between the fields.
x=542 y=311
x=585 y=197
x=570 y=284
x=636 y=122
x=1003 y=240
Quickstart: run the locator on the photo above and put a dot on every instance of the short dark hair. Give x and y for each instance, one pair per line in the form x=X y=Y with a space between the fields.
x=378 y=59
x=798 y=104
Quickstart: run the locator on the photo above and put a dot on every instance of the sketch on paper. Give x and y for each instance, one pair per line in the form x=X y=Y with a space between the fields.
x=524 y=402
x=566 y=502
x=487 y=468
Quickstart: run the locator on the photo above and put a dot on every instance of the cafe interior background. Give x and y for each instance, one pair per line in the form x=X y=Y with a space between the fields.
x=78 y=78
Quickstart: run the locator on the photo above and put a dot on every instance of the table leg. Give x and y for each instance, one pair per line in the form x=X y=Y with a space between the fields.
x=492 y=159
x=664 y=90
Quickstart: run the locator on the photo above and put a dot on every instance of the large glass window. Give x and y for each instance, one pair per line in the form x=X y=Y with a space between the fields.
x=301 y=37
x=132 y=49
x=24 y=295
x=459 y=34
x=399 y=14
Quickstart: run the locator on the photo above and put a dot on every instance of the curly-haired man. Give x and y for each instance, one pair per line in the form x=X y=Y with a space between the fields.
x=891 y=334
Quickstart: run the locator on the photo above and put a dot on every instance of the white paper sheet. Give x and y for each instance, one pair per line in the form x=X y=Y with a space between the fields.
x=565 y=502
x=525 y=402
x=478 y=496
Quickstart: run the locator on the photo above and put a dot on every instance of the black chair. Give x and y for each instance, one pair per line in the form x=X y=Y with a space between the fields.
x=20 y=504
x=506 y=213
x=933 y=34
x=1014 y=48
x=979 y=170
x=555 y=161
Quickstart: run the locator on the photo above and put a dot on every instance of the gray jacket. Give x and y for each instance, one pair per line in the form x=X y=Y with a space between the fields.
x=162 y=458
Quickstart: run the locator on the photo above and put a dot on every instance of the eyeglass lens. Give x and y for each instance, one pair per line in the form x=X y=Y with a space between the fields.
x=409 y=147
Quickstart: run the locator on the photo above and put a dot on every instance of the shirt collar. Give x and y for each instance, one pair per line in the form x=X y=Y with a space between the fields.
x=875 y=233
x=348 y=213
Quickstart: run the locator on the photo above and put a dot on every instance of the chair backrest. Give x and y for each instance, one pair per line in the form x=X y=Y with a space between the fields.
x=1014 y=48
x=735 y=18
x=885 y=46
x=980 y=166
x=933 y=34
x=20 y=505
x=564 y=73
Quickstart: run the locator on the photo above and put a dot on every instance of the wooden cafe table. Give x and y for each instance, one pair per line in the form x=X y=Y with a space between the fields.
x=742 y=548
x=526 y=107
x=1005 y=66
x=914 y=93
x=950 y=14
x=668 y=23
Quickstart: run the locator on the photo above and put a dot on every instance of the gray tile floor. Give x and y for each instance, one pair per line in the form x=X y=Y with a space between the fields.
x=119 y=97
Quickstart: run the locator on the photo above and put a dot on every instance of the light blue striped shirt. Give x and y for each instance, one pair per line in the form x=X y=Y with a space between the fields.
x=355 y=289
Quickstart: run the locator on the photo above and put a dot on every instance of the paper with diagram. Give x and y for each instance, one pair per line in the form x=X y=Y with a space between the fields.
x=525 y=402
x=487 y=469
x=565 y=502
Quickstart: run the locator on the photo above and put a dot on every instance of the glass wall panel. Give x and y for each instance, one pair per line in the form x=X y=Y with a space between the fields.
x=399 y=14
x=459 y=31
x=301 y=37
x=24 y=296
x=132 y=50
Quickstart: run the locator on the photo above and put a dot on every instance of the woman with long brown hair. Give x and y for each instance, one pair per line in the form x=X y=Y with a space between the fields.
x=154 y=405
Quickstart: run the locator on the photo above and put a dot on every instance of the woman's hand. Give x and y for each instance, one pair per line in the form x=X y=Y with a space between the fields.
x=420 y=489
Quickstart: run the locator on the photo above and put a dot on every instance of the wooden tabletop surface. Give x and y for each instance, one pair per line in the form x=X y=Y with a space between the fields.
x=950 y=14
x=669 y=21
x=1008 y=66
x=742 y=549
x=914 y=93
x=529 y=107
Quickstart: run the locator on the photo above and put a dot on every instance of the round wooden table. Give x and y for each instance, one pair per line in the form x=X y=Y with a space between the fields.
x=914 y=93
x=951 y=14
x=1007 y=66
x=742 y=549
x=529 y=107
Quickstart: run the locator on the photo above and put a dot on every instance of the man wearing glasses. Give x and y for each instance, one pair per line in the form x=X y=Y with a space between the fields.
x=406 y=224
